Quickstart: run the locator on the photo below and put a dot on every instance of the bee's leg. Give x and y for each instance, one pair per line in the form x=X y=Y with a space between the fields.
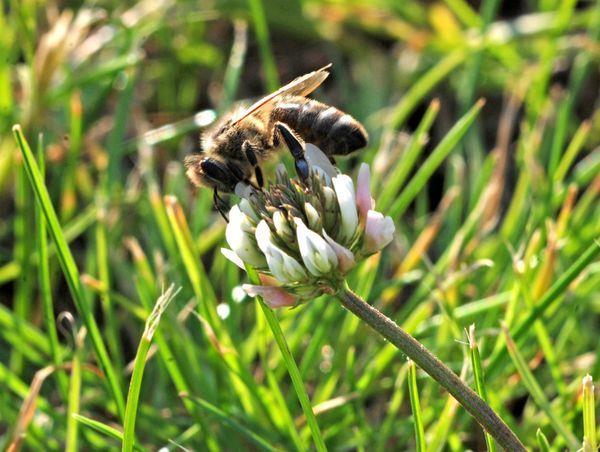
x=295 y=147
x=220 y=205
x=250 y=154
x=259 y=177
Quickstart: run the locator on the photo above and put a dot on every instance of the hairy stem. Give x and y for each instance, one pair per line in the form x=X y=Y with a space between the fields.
x=482 y=413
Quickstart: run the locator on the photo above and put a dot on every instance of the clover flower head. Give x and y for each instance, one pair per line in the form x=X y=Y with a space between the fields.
x=304 y=236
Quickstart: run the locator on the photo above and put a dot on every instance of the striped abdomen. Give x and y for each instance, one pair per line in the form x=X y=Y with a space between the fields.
x=332 y=130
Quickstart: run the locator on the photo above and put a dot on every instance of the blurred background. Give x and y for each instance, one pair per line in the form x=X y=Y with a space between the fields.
x=493 y=202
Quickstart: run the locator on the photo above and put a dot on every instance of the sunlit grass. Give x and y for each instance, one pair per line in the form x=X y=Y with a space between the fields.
x=495 y=204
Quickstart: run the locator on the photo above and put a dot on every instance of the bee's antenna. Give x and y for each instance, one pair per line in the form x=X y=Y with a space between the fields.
x=220 y=205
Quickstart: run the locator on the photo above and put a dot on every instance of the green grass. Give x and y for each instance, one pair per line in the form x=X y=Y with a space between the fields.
x=139 y=364
x=413 y=392
x=479 y=378
x=99 y=219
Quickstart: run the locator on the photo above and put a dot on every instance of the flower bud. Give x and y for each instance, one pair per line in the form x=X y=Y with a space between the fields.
x=330 y=200
x=344 y=190
x=313 y=217
x=282 y=226
x=318 y=257
x=379 y=231
x=247 y=208
x=239 y=237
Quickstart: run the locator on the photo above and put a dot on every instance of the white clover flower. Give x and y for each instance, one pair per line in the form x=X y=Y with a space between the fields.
x=283 y=266
x=379 y=231
x=239 y=237
x=318 y=161
x=304 y=236
x=246 y=207
x=282 y=226
x=318 y=257
x=313 y=217
x=344 y=190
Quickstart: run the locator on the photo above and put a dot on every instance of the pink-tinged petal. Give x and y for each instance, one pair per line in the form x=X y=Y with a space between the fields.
x=274 y=297
x=345 y=257
x=232 y=257
x=379 y=231
x=267 y=280
x=364 y=201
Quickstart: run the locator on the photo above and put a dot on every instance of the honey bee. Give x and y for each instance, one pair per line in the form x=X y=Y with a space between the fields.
x=234 y=148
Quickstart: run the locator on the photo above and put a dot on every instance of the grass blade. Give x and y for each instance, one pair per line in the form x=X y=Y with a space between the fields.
x=111 y=332
x=415 y=406
x=479 y=379
x=261 y=28
x=104 y=429
x=543 y=443
x=537 y=392
x=436 y=158
x=22 y=250
x=425 y=84
x=74 y=394
x=44 y=280
x=572 y=151
x=139 y=364
x=442 y=430
x=547 y=300
x=589 y=415
x=294 y=375
x=70 y=271
x=292 y=368
x=230 y=421
x=409 y=157
x=235 y=64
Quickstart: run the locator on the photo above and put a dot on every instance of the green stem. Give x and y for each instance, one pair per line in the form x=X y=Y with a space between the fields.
x=482 y=413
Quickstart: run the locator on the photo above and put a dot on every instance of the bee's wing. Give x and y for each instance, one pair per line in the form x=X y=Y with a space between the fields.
x=301 y=86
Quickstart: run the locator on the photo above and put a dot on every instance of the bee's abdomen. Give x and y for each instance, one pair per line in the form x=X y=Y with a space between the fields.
x=335 y=132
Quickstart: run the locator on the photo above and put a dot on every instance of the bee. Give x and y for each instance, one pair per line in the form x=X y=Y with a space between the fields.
x=233 y=150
